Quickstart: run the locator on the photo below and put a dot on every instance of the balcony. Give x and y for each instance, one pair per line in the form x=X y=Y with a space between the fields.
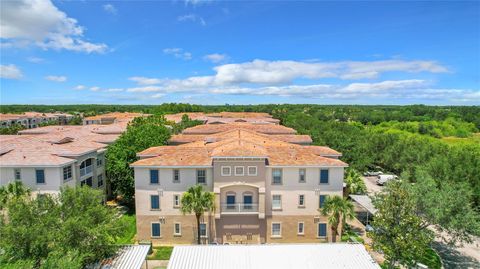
x=239 y=208
x=86 y=170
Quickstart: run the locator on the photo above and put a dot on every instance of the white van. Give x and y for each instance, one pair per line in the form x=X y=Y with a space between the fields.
x=382 y=179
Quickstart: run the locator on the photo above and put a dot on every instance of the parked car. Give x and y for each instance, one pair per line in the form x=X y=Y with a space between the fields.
x=372 y=173
x=383 y=179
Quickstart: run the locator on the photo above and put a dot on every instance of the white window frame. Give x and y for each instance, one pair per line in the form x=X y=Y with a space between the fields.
x=197 y=177
x=299 y=204
x=238 y=174
x=229 y=171
x=279 y=230
x=281 y=176
x=99 y=161
x=206 y=230
x=277 y=208
x=19 y=172
x=175 y=229
x=303 y=228
x=304 y=175
x=44 y=177
x=71 y=173
x=173 y=175
x=175 y=205
x=252 y=174
x=151 y=230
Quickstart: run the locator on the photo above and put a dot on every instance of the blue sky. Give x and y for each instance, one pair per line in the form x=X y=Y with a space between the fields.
x=244 y=52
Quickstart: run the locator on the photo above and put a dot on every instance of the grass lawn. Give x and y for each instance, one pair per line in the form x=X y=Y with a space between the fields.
x=431 y=259
x=349 y=235
x=474 y=139
x=161 y=253
x=128 y=236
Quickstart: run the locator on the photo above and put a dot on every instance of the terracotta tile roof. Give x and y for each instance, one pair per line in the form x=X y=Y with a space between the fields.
x=324 y=151
x=238 y=143
x=26 y=115
x=55 y=145
x=187 y=138
x=260 y=128
x=10 y=116
x=226 y=114
x=224 y=117
x=117 y=116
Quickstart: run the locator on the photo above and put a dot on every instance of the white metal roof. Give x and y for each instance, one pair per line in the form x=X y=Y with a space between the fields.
x=274 y=256
x=127 y=257
x=365 y=201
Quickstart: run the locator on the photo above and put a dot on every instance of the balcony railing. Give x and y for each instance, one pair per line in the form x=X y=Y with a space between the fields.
x=86 y=170
x=239 y=208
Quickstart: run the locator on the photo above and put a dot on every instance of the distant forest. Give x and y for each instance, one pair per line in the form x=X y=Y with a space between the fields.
x=443 y=141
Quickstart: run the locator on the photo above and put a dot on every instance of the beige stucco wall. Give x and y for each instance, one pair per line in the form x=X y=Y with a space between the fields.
x=258 y=180
x=289 y=229
x=291 y=188
x=289 y=216
x=188 y=229
x=188 y=178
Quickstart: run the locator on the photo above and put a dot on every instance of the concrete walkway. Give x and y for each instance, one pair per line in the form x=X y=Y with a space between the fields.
x=156 y=264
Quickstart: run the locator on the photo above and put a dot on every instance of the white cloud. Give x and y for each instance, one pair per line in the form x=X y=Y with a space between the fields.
x=145 y=80
x=158 y=95
x=110 y=9
x=385 y=90
x=215 y=57
x=80 y=87
x=275 y=72
x=95 y=88
x=56 y=78
x=114 y=90
x=193 y=18
x=35 y=60
x=178 y=53
x=10 y=71
x=286 y=72
x=145 y=89
x=197 y=2
x=40 y=23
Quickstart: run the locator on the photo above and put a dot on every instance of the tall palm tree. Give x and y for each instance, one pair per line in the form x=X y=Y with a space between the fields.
x=197 y=201
x=338 y=210
x=12 y=190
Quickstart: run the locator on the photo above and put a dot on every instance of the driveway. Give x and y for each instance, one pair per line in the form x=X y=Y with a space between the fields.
x=372 y=187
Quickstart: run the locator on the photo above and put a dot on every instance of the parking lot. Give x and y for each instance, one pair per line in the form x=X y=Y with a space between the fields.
x=372 y=187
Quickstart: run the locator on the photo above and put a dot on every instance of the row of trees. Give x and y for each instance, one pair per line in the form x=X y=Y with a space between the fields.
x=363 y=114
x=70 y=230
x=395 y=151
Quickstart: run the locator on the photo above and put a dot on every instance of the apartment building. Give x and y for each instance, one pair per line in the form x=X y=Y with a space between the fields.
x=268 y=185
x=33 y=119
x=47 y=158
x=112 y=118
x=225 y=117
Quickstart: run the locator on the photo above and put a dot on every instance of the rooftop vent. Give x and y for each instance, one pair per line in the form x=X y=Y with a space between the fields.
x=63 y=140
